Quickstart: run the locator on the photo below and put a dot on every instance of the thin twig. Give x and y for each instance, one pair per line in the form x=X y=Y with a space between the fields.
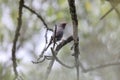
x=39 y=16
x=58 y=47
x=39 y=61
x=43 y=21
x=102 y=66
x=45 y=48
x=46 y=40
x=52 y=40
x=114 y=7
x=16 y=38
x=54 y=55
x=106 y=14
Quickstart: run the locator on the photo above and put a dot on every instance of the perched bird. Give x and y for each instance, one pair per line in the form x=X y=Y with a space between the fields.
x=57 y=34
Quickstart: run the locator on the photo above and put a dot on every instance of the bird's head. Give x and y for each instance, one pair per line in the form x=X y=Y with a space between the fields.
x=63 y=25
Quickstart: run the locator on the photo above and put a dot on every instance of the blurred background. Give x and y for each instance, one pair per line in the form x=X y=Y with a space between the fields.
x=99 y=39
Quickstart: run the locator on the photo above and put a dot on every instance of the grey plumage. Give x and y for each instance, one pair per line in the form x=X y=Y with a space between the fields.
x=58 y=34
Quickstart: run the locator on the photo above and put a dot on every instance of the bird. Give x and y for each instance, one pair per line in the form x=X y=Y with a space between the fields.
x=57 y=34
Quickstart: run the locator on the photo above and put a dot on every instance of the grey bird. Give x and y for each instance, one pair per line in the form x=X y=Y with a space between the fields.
x=57 y=34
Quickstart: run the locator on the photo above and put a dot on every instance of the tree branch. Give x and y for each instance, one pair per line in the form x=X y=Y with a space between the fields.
x=101 y=66
x=43 y=21
x=54 y=55
x=72 y=9
x=39 y=16
x=16 y=38
x=114 y=4
x=63 y=43
x=106 y=14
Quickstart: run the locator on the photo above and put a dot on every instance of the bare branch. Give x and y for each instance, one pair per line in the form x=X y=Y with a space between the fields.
x=46 y=40
x=72 y=9
x=47 y=28
x=52 y=40
x=106 y=14
x=39 y=16
x=39 y=61
x=101 y=66
x=114 y=4
x=54 y=55
x=16 y=38
x=63 y=43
